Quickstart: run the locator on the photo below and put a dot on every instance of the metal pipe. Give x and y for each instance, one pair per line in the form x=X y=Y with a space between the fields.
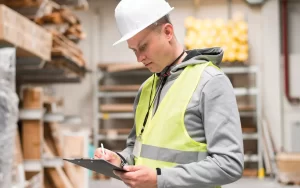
x=284 y=17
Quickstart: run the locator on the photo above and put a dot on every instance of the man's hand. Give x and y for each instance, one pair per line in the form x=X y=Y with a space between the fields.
x=109 y=156
x=138 y=177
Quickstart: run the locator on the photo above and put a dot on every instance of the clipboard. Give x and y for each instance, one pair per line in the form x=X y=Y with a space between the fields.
x=98 y=165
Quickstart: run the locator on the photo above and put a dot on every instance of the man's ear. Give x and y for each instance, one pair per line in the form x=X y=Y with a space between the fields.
x=168 y=31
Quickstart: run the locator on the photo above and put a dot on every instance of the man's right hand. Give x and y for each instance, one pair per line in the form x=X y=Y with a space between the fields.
x=109 y=156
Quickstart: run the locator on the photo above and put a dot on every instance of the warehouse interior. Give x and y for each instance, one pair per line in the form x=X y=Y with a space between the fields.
x=65 y=89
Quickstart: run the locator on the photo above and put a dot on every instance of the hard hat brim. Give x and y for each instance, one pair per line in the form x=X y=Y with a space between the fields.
x=133 y=33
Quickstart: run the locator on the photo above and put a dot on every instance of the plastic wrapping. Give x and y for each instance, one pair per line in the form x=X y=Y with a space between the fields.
x=8 y=114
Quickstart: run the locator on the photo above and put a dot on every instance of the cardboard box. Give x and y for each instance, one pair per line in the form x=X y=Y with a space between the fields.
x=29 y=38
x=288 y=167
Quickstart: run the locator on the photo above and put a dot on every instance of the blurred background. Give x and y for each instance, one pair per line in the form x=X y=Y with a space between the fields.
x=64 y=88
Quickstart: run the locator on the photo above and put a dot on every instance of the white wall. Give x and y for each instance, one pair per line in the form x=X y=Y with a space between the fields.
x=292 y=112
x=271 y=70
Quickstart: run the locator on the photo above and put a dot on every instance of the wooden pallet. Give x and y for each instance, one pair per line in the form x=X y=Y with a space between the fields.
x=116 y=108
x=120 y=87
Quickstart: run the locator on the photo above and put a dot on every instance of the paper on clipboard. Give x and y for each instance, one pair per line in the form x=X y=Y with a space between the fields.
x=98 y=165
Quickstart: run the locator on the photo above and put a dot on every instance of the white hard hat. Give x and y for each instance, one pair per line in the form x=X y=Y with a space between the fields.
x=132 y=16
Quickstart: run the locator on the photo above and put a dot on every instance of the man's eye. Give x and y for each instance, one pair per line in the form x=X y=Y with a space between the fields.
x=143 y=48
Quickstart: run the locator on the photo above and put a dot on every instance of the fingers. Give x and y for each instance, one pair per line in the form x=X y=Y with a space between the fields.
x=99 y=154
x=132 y=168
x=126 y=176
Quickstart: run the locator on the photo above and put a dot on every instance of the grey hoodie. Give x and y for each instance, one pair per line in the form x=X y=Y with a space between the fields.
x=211 y=117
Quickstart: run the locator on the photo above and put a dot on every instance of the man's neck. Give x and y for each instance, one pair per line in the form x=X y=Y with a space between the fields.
x=177 y=52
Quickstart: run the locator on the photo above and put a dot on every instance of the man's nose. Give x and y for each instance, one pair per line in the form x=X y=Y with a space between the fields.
x=141 y=58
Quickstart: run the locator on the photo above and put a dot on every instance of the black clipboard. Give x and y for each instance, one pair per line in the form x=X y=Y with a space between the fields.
x=98 y=165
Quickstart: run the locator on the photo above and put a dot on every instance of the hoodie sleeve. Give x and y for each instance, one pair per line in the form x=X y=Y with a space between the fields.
x=224 y=163
x=127 y=152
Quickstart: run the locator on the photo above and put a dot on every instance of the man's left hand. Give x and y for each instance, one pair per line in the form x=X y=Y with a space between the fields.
x=138 y=177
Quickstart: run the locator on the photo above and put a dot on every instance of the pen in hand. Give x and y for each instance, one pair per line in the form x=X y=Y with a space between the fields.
x=103 y=153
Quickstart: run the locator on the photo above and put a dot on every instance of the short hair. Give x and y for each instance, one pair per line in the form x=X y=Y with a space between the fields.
x=164 y=20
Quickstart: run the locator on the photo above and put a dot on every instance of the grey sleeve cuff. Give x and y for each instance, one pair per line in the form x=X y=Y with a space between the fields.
x=127 y=154
x=161 y=180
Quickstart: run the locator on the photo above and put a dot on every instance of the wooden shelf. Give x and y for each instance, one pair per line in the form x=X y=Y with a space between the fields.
x=116 y=108
x=120 y=87
x=246 y=108
x=118 y=131
x=249 y=129
x=250 y=172
x=119 y=67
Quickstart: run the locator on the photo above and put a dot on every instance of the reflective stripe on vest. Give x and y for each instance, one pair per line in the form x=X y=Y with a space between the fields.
x=171 y=155
x=165 y=141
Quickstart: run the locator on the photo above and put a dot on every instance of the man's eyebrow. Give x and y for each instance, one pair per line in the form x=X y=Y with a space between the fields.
x=141 y=43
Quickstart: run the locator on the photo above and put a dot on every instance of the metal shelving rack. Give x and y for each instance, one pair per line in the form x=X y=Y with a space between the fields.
x=228 y=70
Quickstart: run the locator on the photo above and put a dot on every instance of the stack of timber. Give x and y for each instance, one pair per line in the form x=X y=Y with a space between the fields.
x=63 y=47
x=30 y=39
x=44 y=145
x=64 y=21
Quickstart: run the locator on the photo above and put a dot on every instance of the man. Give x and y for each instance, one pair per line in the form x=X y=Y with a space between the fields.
x=187 y=130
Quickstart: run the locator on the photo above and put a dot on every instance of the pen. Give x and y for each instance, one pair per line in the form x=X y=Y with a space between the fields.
x=102 y=149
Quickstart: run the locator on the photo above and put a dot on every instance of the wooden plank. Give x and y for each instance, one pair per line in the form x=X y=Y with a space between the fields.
x=21 y=3
x=32 y=135
x=35 y=179
x=69 y=16
x=50 y=140
x=57 y=174
x=33 y=98
x=120 y=87
x=125 y=67
x=249 y=129
x=74 y=148
x=118 y=131
x=246 y=108
x=118 y=67
x=116 y=108
x=250 y=172
x=54 y=17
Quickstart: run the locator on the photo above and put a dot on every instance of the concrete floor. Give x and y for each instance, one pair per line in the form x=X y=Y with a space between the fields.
x=242 y=183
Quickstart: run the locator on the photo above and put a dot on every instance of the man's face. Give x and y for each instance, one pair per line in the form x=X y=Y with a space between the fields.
x=151 y=48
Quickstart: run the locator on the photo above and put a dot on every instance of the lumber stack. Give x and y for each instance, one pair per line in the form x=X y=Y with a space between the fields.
x=63 y=20
x=63 y=47
x=66 y=31
x=45 y=144
x=29 y=38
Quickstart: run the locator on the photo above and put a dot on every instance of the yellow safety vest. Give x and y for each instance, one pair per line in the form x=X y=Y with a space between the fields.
x=165 y=140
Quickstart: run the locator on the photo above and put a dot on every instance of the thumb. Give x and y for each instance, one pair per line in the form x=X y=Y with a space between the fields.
x=132 y=168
